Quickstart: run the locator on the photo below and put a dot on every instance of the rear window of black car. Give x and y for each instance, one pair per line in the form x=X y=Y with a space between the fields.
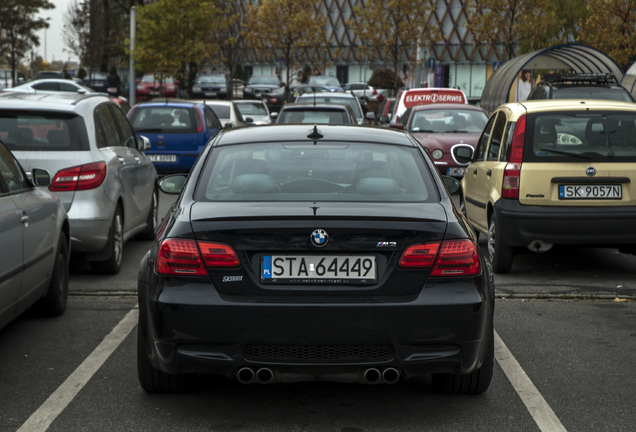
x=166 y=119
x=43 y=131
x=328 y=171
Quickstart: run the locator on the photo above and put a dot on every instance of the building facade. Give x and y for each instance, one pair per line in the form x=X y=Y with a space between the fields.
x=455 y=61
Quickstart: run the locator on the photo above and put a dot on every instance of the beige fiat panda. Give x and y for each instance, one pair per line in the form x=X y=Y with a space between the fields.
x=551 y=172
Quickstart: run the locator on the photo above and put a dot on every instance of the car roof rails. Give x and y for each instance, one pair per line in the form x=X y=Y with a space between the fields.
x=576 y=78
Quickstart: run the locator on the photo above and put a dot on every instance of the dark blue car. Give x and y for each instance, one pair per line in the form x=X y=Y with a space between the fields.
x=177 y=130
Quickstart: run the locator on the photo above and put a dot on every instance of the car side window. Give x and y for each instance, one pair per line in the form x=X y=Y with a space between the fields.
x=497 y=137
x=127 y=133
x=13 y=178
x=106 y=128
x=211 y=119
x=506 y=144
x=482 y=144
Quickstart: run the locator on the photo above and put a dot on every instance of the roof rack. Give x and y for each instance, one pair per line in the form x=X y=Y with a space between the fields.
x=575 y=78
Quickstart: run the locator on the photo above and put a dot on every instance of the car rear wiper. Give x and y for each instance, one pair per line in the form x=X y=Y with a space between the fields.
x=149 y=130
x=561 y=152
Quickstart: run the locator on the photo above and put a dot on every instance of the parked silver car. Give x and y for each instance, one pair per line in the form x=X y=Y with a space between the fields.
x=100 y=173
x=35 y=233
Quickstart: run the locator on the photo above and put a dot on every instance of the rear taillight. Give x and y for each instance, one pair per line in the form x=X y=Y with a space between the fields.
x=199 y=120
x=512 y=172
x=81 y=177
x=448 y=258
x=184 y=257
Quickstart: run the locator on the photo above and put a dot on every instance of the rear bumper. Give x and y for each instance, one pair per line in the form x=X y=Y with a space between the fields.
x=602 y=226
x=193 y=329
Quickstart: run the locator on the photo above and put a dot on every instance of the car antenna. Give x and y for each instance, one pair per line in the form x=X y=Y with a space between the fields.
x=315 y=135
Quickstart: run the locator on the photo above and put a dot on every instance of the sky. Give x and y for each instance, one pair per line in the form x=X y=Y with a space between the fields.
x=51 y=39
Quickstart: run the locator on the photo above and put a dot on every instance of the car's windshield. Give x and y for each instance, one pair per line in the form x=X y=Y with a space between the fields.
x=572 y=136
x=598 y=92
x=330 y=98
x=311 y=116
x=37 y=131
x=216 y=79
x=327 y=171
x=324 y=80
x=156 y=79
x=221 y=111
x=166 y=119
x=260 y=79
x=252 y=108
x=451 y=121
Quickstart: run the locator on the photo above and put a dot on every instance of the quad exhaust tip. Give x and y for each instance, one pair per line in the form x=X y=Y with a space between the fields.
x=247 y=375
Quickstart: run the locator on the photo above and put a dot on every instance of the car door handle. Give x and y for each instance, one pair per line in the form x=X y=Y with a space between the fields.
x=25 y=220
x=489 y=173
x=475 y=171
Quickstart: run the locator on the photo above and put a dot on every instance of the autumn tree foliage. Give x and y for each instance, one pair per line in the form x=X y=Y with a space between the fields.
x=390 y=30
x=285 y=28
x=517 y=26
x=172 y=35
x=613 y=31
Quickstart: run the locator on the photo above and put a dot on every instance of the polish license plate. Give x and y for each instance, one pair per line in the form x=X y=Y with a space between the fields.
x=456 y=171
x=154 y=93
x=318 y=268
x=162 y=158
x=590 y=192
x=210 y=94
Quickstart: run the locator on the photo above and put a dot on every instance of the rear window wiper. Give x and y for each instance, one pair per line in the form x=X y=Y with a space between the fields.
x=561 y=152
x=149 y=130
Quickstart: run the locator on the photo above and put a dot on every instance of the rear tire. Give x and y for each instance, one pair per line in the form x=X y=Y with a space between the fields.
x=499 y=252
x=54 y=302
x=475 y=382
x=152 y=379
x=112 y=265
x=151 y=222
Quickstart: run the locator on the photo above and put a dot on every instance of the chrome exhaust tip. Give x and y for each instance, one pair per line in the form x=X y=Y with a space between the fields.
x=245 y=375
x=265 y=376
x=391 y=375
x=372 y=376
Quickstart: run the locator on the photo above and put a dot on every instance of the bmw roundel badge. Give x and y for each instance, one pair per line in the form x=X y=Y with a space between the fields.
x=590 y=171
x=319 y=237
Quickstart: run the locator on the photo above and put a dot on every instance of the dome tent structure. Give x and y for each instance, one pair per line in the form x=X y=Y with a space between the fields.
x=629 y=80
x=573 y=57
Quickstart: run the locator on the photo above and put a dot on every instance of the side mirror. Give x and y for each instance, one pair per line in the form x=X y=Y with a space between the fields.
x=143 y=143
x=172 y=184
x=40 y=177
x=249 y=120
x=370 y=115
x=383 y=119
x=452 y=184
x=463 y=154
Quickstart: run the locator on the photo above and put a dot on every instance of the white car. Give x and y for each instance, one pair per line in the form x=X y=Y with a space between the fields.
x=227 y=111
x=254 y=111
x=49 y=85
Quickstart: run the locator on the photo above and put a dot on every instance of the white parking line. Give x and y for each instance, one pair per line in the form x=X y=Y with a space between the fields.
x=538 y=407
x=41 y=419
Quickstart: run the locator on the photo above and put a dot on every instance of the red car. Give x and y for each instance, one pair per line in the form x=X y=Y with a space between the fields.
x=441 y=127
x=152 y=85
